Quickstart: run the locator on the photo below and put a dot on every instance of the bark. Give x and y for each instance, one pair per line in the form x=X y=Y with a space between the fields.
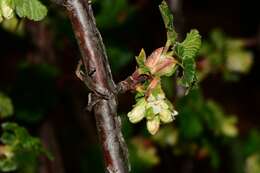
x=97 y=77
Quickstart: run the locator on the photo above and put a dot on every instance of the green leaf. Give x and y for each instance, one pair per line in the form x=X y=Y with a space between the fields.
x=168 y=22
x=32 y=9
x=140 y=59
x=189 y=73
x=6 y=106
x=17 y=145
x=186 y=51
x=191 y=44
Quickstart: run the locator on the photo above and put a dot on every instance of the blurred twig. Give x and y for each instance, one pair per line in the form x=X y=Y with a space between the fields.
x=49 y=141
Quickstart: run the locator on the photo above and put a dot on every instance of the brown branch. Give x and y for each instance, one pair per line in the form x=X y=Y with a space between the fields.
x=98 y=79
x=130 y=83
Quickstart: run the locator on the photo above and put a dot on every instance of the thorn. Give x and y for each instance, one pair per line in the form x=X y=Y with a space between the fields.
x=91 y=72
x=79 y=73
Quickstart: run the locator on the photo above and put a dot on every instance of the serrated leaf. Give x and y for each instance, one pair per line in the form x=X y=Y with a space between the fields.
x=32 y=9
x=186 y=51
x=191 y=44
x=168 y=22
x=189 y=73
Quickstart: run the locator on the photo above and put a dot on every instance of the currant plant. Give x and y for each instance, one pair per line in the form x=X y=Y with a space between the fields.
x=18 y=148
x=174 y=57
x=225 y=55
x=16 y=143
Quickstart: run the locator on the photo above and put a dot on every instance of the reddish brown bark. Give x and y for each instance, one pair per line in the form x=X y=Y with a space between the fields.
x=98 y=79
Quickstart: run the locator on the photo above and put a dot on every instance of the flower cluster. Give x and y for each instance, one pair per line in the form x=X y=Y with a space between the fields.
x=152 y=103
x=156 y=108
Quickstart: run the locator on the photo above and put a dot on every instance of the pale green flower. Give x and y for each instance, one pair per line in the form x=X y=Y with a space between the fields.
x=153 y=125
x=229 y=128
x=138 y=112
x=253 y=164
x=167 y=116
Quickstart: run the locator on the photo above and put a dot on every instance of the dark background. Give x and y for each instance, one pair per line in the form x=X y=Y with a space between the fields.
x=51 y=101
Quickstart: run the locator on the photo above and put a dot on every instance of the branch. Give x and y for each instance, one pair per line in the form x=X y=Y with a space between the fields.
x=130 y=83
x=97 y=77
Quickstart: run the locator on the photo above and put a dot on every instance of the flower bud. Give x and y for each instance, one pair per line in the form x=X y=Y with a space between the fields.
x=161 y=64
x=138 y=112
x=7 y=9
x=165 y=67
x=168 y=116
x=153 y=125
x=229 y=128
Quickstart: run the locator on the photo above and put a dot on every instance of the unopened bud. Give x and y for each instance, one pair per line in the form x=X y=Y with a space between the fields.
x=160 y=64
x=153 y=125
x=138 y=112
x=229 y=128
x=166 y=116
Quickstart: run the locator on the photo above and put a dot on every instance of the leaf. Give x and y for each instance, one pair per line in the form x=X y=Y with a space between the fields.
x=19 y=139
x=189 y=73
x=32 y=9
x=186 y=51
x=140 y=59
x=191 y=44
x=168 y=22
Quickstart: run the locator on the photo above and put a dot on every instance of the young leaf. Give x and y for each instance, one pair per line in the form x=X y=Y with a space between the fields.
x=189 y=73
x=191 y=44
x=140 y=59
x=32 y=9
x=187 y=50
x=168 y=22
